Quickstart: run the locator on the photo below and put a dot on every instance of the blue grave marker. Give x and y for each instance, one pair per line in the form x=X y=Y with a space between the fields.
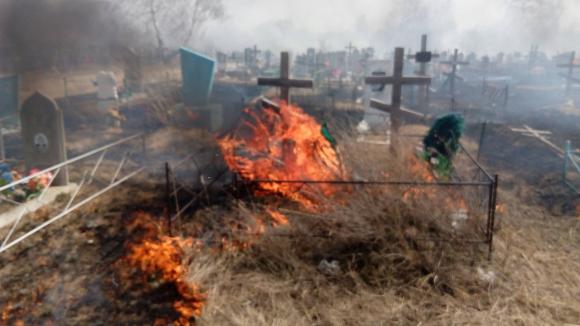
x=198 y=74
x=8 y=95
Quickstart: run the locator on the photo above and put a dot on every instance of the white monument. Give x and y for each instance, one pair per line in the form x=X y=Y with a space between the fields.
x=106 y=90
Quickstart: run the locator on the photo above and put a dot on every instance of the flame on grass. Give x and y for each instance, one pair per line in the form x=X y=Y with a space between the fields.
x=420 y=170
x=283 y=145
x=162 y=257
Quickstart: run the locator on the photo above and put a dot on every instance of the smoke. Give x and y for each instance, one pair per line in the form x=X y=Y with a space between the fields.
x=484 y=26
x=34 y=30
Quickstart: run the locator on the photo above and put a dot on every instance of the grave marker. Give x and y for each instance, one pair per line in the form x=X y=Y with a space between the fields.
x=43 y=135
x=198 y=75
x=9 y=95
x=452 y=76
x=285 y=82
x=106 y=90
x=570 y=76
x=397 y=81
x=533 y=58
x=423 y=58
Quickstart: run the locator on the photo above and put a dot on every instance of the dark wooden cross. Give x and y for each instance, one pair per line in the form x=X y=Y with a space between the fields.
x=397 y=81
x=284 y=82
x=453 y=74
x=423 y=58
x=570 y=76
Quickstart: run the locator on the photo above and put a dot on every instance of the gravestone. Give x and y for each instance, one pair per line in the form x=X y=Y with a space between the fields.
x=8 y=95
x=106 y=90
x=198 y=75
x=43 y=135
x=106 y=85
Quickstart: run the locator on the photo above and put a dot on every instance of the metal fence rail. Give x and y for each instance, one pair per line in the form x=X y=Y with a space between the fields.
x=78 y=198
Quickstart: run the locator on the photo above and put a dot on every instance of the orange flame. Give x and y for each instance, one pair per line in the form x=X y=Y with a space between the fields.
x=500 y=208
x=283 y=145
x=6 y=312
x=162 y=256
x=277 y=217
x=420 y=170
x=5 y=316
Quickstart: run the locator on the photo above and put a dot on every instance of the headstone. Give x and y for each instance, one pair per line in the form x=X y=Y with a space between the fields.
x=43 y=135
x=106 y=90
x=9 y=95
x=106 y=86
x=198 y=75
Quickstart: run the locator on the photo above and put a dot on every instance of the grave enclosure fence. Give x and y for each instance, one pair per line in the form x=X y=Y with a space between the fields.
x=97 y=172
x=478 y=187
x=571 y=167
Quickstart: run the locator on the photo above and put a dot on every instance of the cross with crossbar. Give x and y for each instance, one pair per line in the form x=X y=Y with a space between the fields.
x=284 y=82
x=423 y=57
x=453 y=74
x=570 y=76
x=397 y=81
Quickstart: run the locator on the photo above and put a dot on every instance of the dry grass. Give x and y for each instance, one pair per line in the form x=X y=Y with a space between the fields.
x=387 y=273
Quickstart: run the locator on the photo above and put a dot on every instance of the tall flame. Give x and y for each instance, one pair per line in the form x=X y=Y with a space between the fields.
x=283 y=145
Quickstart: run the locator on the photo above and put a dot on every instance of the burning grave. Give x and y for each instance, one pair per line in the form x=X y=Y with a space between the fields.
x=284 y=144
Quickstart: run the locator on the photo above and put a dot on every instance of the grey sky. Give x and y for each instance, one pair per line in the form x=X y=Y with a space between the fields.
x=481 y=25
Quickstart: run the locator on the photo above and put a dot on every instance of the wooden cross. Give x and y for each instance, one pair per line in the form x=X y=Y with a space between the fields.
x=570 y=76
x=284 y=82
x=423 y=57
x=397 y=81
x=350 y=48
x=453 y=74
x=541 y=136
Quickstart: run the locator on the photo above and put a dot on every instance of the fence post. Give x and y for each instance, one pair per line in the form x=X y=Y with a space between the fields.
x=567 y=150
x=481 y=137
x=168 y=197
x=2 y=150
x=493 y=203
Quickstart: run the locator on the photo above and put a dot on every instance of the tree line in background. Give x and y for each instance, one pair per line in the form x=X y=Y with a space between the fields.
x=40 y=34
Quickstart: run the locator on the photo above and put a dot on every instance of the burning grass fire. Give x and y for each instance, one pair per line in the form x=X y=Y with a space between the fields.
x=161 y=258
x=283 y=145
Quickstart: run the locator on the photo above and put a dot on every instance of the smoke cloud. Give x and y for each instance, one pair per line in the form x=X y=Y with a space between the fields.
x=484 y=26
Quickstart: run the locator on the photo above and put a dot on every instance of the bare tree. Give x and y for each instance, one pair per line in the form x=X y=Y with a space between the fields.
x=173 y=20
